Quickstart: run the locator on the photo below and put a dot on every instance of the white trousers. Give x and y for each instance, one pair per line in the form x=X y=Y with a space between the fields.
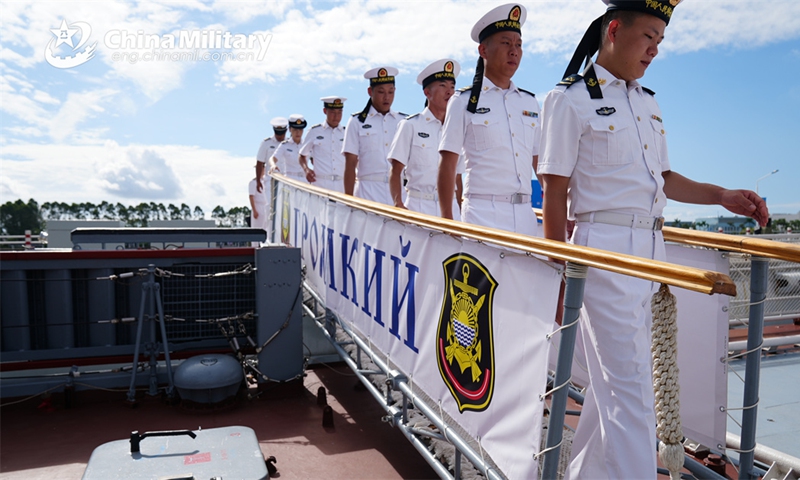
x=335 y=185
x=430 y=207
x=616 y=435
x=262 y=221
x=377 y=191
x=517 y=217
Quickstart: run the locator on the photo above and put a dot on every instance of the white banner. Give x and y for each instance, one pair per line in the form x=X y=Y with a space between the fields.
x=466 y=322
x=702 y=348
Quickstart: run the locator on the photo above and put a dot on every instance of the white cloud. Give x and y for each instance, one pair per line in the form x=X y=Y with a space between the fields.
x=76 y=109
x=129 y=174
x=143 y=175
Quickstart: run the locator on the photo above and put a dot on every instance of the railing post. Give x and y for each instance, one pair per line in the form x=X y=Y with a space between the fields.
x=573 y=299
x=759 y=267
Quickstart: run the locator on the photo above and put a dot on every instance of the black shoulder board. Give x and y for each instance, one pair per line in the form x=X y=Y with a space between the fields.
x=570 y=80
x=529 y=93
x=412 y=116
x=464 y=89
x=649 y=91
x=402 y=114
x=355 y=114
x=317 y=125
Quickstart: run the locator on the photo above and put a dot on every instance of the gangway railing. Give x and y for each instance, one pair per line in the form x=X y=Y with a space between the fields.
x=760 y=252
x=578 y=259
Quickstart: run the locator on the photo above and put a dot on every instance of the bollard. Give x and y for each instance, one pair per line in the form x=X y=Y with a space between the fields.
x=28 y=245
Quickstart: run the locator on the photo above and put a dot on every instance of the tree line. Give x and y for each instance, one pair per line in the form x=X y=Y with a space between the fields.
x=18 y=216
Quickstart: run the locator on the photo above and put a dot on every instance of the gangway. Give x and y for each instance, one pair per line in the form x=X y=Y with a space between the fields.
x=398 y=392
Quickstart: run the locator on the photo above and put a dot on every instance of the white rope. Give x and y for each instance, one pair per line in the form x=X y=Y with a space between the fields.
x=665 y=381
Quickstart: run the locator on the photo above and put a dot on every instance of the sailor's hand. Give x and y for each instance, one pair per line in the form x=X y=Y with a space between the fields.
x=311 y=176
x=259 y=187
x=274 y=169
x=747 y=203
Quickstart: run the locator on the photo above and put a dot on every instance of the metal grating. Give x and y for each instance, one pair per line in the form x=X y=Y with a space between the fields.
x=192 y=299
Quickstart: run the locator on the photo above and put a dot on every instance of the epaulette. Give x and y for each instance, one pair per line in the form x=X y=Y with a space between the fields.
x=529 y=93
x=570 y=80
x=412 y=116
x=285 y=141
x=402 y=114
x=464 y=89
x=649 y=91
x=317 y=125
x=355 y=114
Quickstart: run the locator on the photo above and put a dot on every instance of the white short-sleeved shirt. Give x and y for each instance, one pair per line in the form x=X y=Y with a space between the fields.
x=260 y=198
x=287 y=155
x=267 y=149
x=416 y=145
x=371 y=140
x=499 y=140
x=613 y=149
x=324 y=144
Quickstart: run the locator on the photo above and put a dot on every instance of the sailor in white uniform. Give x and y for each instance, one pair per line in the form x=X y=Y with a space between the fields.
x=267 y=150
x=415 y=148
x=496 y=124
x=368 y=137
x=259 y=217
x=322 y=148
x=604 y=164
x=285 y=160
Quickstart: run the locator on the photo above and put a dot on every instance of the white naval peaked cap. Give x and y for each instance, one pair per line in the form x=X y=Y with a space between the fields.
x=381 y=75
x=296 y=120
x=279 y=123
x=508 y=17
x=333 y=101
x=444 y=69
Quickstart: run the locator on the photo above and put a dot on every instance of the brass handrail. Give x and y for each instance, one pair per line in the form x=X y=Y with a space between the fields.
x=730 y=243
x=703 y=281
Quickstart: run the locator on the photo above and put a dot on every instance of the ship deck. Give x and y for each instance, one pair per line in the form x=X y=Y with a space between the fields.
x=45 y=440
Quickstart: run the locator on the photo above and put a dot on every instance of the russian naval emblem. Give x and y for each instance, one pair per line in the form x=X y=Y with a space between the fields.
x=464 y=343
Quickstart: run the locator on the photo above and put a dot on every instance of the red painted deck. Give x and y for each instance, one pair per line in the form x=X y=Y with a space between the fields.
x=39 y=444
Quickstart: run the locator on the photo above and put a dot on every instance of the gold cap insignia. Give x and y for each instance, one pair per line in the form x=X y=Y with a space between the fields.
x=515 y=14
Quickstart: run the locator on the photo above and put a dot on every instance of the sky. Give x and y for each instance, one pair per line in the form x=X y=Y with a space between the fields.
x=120 y=110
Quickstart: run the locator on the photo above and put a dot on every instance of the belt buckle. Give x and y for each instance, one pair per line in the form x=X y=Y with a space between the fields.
x=658 y=224
x=517 y=198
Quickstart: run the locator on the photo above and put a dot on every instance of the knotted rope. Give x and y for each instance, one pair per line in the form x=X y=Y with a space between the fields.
x=665 y=380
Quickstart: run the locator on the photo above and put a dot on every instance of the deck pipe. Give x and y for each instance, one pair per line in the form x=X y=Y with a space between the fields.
x=759 y=268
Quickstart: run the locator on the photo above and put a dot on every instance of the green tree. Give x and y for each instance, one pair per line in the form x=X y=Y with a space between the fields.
x=16 y=217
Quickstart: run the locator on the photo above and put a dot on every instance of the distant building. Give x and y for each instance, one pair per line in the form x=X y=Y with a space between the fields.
x=733 y=225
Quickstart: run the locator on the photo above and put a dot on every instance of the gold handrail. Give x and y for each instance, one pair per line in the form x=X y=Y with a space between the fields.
x=730 y=243
x=704 y=281
x=735 y=243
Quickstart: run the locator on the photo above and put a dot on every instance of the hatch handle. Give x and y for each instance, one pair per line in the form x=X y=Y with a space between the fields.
x=136 y=437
